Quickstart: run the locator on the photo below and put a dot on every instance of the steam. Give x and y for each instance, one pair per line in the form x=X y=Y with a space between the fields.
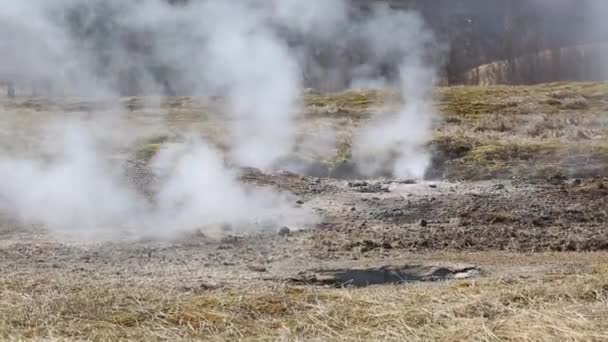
x=256 y=55
x=263 y=101
x=200 y=191
x=396 y=49
x=76 y=189
x=396 y=143
x=233 y=52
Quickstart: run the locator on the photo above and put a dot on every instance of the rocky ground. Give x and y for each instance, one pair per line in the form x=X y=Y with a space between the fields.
x=501 y=253
x=361 y=219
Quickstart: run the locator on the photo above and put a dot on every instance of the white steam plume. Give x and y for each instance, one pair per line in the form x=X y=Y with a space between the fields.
x=200 y=192
x=234 y=50
x=390 y=48
x=35 y=51
x=76 y=192
x=262 y=82
x=396 y=143
x=239 y=50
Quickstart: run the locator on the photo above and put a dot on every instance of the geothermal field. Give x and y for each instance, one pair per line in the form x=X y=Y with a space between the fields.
x=227 y=194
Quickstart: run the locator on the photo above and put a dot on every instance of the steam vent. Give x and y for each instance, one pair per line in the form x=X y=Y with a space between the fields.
x=290 y=170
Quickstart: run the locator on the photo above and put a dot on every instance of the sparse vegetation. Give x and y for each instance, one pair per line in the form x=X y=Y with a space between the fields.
x=485 y=132
x=497 y=131
x=569 y=303
x=551 y=131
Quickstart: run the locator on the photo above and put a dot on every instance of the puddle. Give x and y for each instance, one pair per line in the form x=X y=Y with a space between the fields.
x=384 y=275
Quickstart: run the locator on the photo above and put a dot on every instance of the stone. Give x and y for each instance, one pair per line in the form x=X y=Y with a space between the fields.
x=257 y=268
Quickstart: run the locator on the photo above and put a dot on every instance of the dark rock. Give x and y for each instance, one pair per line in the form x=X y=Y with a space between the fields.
x=575 y=181
x=316 y=169
x=423 y=223
x=284 y=231
x=257 y=268
x=369 y=188
x=576 y=104
x=346 y=170
x=582 y=135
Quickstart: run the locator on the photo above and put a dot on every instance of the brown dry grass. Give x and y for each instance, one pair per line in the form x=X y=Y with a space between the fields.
x=488 y=132
x=570 y=303
x=509 y=130
x=497 y=131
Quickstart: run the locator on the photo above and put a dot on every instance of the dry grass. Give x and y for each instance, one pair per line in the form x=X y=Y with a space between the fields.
x=526 y=131
x=494 y=132
x=353 y=104
x=487 y=133
x=569 y=304
x=545 y=98
x=529 y=159
x=472 y=101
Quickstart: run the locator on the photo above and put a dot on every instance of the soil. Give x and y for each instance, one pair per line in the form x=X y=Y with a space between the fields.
x=370 y=231
x=502 y=181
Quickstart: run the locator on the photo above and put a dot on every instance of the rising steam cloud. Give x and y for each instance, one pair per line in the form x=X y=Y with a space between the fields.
x=255 y=54
x=396 y=143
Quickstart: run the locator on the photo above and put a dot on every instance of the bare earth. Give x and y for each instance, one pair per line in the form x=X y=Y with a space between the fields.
x=506 y=240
